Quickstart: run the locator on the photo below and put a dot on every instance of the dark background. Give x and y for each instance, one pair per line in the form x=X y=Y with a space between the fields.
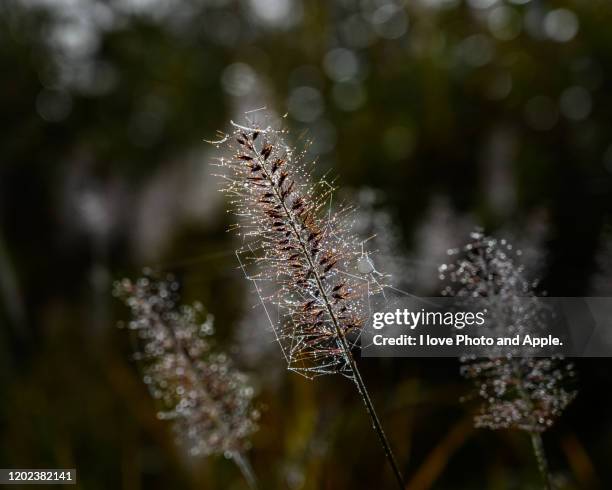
x=436 y=116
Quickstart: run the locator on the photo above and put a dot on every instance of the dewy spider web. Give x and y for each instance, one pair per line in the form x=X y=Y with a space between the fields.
x=296 y=245
x=287 y=334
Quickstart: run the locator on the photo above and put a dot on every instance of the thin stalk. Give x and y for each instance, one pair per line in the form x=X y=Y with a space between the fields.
x=536 y=437
x=361 y=387
x=245 y=468
x=538 y=449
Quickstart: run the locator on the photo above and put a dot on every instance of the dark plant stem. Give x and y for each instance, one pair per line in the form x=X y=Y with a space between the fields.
x=538 y=449
x=536 y=437
x=343 y=343
x=245 y=468
x=361 y=387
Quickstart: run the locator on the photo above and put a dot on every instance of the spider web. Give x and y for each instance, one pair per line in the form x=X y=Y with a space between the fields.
x=377 y=294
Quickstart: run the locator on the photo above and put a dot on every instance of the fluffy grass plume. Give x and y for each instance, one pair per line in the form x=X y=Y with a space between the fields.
x=304 y=252
x=524 y=393
x=197 y=388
